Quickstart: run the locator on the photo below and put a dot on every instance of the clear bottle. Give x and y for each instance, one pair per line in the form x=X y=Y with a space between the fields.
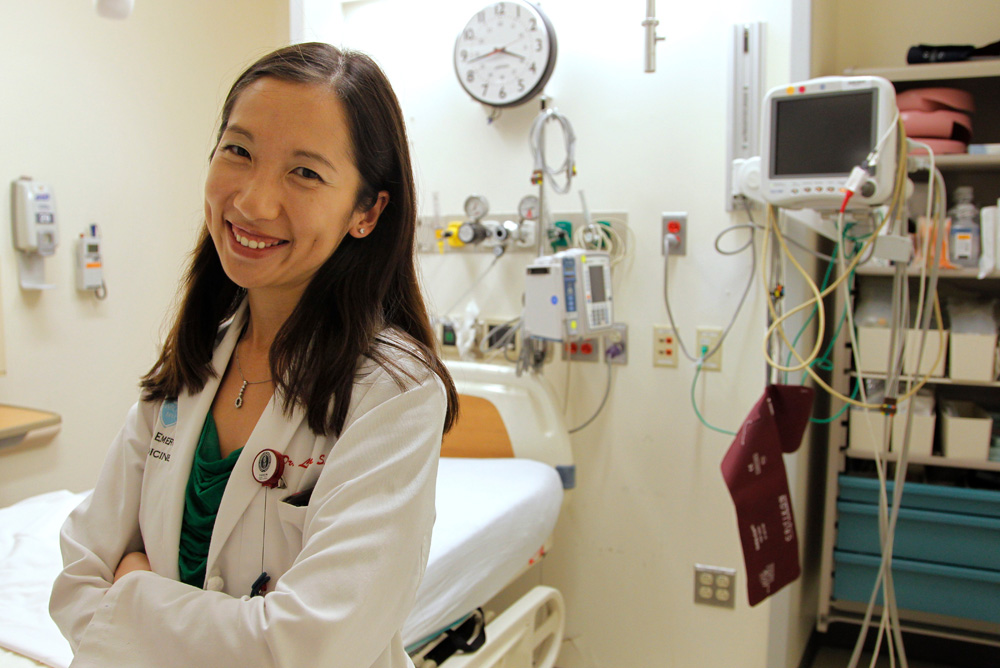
x=963 y=241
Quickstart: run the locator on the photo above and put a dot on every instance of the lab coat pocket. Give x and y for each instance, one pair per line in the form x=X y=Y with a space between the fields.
x=292 y=521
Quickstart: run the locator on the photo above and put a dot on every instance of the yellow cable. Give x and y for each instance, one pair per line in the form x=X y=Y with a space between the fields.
x=772 y=227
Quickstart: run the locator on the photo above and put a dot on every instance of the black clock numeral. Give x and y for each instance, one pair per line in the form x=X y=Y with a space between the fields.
x=464 y=54
x=499 y=9
x=533 y=68
x=520 y=85
x=503 y=94
x=538 y=45
x=469 y=34
x=532 y=24
x=486 y=87
x=481 y=17
x=471 y=76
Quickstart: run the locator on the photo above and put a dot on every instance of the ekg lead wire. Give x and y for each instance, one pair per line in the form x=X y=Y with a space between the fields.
x=885 y=571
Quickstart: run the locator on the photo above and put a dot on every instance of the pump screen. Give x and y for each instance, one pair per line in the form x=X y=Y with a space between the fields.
x=597 y=283
x=822 y=134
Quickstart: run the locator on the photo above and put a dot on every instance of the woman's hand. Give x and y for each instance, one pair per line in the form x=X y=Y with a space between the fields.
x=133 y=561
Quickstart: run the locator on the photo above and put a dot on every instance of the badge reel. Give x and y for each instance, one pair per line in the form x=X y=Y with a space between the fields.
x=268 y=466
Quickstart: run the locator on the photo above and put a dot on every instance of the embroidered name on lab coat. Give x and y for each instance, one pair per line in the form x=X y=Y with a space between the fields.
x=168 y=418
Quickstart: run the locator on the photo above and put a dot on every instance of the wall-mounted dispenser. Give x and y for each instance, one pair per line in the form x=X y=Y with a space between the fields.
x=36 y=233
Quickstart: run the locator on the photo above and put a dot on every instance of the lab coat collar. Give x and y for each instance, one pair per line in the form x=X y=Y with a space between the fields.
x=273 y=430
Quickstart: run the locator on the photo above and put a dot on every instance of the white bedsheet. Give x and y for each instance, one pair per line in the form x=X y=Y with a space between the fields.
x=493 y=515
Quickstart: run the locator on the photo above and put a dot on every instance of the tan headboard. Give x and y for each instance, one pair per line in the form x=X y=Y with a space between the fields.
x=478 y=432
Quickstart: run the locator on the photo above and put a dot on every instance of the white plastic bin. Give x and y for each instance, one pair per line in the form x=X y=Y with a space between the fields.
x=933 y=344
x=966 y=430
x=971 y=357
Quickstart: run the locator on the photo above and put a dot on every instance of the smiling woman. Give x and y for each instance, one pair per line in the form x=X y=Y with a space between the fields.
x=297 y=405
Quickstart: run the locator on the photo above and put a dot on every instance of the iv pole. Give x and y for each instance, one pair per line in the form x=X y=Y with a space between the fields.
x=651 y=37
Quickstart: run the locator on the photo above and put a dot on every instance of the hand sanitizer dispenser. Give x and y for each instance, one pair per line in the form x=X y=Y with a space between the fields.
x=36 y=233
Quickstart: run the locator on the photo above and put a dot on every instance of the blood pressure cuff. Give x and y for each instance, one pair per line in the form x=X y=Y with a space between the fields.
x=755 y=474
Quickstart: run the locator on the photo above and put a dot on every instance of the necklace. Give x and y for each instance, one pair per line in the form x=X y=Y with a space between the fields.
x=239 y=397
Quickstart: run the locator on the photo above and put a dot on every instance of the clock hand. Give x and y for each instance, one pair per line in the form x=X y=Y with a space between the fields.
x=487 y=55
x=510 y=53
x=499 y=49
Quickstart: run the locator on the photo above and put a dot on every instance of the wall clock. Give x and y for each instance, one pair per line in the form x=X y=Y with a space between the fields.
x=506 y=53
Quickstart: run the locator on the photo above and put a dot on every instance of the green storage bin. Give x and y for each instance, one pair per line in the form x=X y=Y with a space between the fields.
x=954 y=539
x=985 y=502
x=968 y=593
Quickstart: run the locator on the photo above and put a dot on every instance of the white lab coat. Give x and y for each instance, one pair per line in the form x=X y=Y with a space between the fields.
x=344 y=570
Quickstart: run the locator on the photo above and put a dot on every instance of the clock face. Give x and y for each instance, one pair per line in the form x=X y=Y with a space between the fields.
x=506 y=53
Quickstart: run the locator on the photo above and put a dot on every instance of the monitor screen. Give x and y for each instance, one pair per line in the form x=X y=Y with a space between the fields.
x=597 y=283
x=822 y=134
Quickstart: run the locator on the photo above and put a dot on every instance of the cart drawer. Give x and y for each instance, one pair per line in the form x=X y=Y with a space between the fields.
x=984 y=502
x=969 y=593
x=956 y=539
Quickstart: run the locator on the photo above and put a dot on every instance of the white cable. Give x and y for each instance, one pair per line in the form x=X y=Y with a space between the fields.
x=472 y=288
x=607 y=392
x=670 y=316
x=537 y=142
x=888 y=524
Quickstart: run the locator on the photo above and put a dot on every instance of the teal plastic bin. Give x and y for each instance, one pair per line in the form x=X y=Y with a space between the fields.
x=921 y=496
x=953 y=539
x=969 y=593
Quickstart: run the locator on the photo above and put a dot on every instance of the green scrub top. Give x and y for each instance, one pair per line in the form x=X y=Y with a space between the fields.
x=209 y=475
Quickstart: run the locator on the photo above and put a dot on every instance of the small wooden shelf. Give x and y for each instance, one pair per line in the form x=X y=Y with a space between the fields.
x=969 y=69
x=961 y=161
x=933 y=460
x=943 y=274
x=933 y=380
x=16 y=422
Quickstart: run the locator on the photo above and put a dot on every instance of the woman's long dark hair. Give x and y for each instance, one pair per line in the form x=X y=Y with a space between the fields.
x=366 y=286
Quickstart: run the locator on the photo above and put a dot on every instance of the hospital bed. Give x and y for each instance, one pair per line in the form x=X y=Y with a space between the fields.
x=500 y=489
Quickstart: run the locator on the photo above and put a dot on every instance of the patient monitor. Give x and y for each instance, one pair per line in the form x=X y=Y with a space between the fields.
x=813 y=135
x=568 y=295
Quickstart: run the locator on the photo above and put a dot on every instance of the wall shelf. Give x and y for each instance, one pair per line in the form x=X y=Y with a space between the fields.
x=932 y=460
x=969 y=69
x=17 y=422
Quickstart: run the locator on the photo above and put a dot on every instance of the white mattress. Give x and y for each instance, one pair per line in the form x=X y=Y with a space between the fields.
x=493 y=515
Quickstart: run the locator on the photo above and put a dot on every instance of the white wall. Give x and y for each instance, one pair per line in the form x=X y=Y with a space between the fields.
x=650 y=501
x=117 y=116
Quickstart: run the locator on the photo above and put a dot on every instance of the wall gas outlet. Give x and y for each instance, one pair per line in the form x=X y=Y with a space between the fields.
x=715 y=586
x=501 y=336
x=617 y=342
x=675 y=223
x=584 y=350
x=707 y=339
x=664 y=346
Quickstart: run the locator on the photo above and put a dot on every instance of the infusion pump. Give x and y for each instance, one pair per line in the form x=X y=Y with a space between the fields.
x=568 y=295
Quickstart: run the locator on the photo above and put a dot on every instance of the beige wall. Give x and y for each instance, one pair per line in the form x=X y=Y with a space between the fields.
x=650 y=501
x=117 y=117
x=877 y=33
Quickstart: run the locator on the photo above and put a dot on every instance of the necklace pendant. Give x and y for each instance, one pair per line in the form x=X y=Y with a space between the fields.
x=239 y=397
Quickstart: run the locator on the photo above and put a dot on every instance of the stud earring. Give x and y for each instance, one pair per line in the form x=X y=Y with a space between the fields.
x=361 y=230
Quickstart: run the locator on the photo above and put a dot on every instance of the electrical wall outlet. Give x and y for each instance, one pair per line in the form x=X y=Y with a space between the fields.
x=714 y=585
x=617 y=341
x=584 y=350
x=707 y=339
x=664 y=346
x=675 y=223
